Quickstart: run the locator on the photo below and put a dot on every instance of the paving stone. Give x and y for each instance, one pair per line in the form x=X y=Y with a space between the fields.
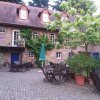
x=30 y=86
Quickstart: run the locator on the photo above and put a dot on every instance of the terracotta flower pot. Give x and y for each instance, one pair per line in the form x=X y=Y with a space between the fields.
x=80 y=80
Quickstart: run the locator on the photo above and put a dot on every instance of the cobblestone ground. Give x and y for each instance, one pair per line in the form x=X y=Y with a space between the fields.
x=30 y=86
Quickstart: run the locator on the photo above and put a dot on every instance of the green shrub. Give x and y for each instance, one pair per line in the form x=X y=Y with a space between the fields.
x=81 y=64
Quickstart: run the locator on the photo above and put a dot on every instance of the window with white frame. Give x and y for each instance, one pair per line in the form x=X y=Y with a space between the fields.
x=58 y=55
x=2 y=29
x=45 y=17
x=35 y=35
x=16 y=37
x=52 y=37
x=23 y=14
x=30 y=54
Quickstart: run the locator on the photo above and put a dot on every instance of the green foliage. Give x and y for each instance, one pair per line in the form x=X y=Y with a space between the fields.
x=79 y=6
x=83 y=31
x=35 y=43
x=60 y=39
x=81 y=64
x=88 y=30
x=98 y=16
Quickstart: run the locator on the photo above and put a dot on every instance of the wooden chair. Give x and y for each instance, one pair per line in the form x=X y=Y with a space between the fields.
x=20 y=67
x=96 y=78
x=65 y=71
x=57 y=75
x=48 y=74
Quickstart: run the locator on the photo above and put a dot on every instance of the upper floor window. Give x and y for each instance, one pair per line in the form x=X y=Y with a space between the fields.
x=23 y=14
x=35 y=35
x=58 y=55
x=2 y=30
x=45 y=17
x=30 y=54
x=15 y=37
x=52 y=37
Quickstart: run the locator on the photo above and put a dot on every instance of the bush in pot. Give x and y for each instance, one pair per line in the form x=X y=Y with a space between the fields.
x=81 y=65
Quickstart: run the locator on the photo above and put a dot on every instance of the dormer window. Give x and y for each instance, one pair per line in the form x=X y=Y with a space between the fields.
x=45 y=17
x=23 y=12
x=64 y=16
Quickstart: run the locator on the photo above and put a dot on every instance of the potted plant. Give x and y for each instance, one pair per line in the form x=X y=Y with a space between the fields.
x=21 y=43
x=81 y=65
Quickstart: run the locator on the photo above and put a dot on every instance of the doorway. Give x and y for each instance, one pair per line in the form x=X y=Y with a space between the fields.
x=15 y=57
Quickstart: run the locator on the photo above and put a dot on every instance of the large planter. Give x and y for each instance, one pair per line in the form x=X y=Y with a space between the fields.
x=80 y=80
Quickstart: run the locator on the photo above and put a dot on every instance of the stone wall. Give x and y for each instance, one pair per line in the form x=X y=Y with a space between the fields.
x=6 y=40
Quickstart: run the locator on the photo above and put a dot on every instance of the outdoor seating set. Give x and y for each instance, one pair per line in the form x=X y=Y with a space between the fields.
x=20 y=67
x=56 y=73
x=95 y=75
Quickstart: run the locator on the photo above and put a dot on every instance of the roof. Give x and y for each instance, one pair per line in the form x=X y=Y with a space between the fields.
x=8 y=15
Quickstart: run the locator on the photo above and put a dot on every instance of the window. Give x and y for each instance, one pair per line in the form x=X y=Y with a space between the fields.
x=2 y=30
x=35 y=35
x=58 y=55
x=30 y=54
x=23 y=14
x=52 y=37
x=45 y=17
x=16 y=37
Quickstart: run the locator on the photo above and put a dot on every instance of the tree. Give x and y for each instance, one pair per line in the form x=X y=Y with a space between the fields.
x=40 y=3
x=98 y=16
x=84 y=30
x=34 y=44
x=89 y=32
x=57 y=4
x=14 y=1
x=81 y=6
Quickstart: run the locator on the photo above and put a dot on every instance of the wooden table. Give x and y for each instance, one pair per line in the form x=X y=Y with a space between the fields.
x=59 y=75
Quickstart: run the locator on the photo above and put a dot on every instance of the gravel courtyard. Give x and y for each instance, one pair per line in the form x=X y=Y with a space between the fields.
x=30 y=86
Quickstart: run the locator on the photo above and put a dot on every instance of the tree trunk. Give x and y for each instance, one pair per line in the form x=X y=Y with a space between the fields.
x=86 y=48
